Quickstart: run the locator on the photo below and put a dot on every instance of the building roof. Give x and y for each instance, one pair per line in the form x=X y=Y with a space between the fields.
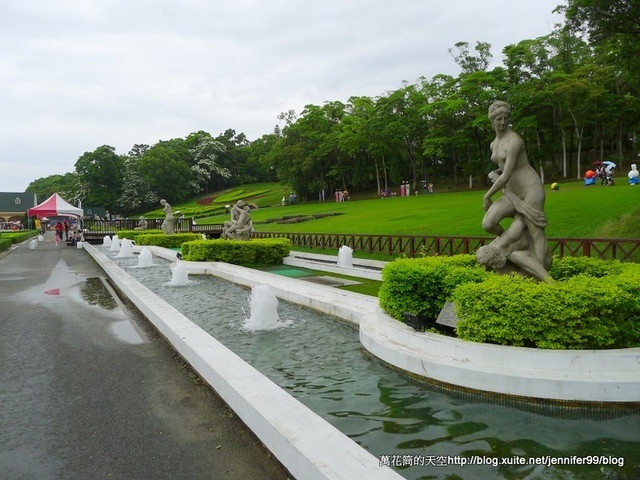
x=12 y=202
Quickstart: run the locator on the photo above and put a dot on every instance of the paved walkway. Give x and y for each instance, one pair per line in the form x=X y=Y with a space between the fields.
x=89 y=391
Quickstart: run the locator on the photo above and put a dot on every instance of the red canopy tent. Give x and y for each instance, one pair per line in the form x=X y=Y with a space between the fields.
x=54 y=206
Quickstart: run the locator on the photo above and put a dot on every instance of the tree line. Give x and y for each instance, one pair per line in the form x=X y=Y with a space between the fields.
x=574 y=93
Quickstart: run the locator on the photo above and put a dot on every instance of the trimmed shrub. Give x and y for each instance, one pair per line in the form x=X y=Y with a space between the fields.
x=422 y=285
x=248 y=253
x=592 y=304
x=567 y=267
x=578 y=312
x=166 y=241
x=134 y=234
x=19 y=236
x=5 y=244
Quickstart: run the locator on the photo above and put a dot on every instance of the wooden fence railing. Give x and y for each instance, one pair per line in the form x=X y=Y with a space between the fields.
x=410 y=245
x=623 y=249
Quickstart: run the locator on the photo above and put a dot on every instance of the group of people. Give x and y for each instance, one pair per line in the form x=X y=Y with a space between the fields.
x=11 y=226
x=65 y=232
x=405 y=190
x=605 y=175
x=387 y=193
x=62 y=231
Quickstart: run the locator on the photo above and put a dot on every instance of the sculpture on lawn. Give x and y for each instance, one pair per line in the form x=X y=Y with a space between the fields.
x=142 y=224
x=240 y=226
x=167 y=224
x=522 y=247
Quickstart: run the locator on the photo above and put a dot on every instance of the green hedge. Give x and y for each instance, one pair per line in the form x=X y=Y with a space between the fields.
x=19 y=236
x=134 y=234
x=595 y=304
x=249 y=253
x=592 y=304
x=166 y=241
x=568 y=267
x=5 y=244
x=422 y=285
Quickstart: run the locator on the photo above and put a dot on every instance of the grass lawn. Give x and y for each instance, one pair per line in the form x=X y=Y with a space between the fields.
x=574 y=211
x=262 y=194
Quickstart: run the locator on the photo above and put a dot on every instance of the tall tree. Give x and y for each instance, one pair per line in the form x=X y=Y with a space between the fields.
x=65 y=185
x=307 y=153
x=613 y=29
x=165 y=169
x=261 y=156
x=405 y=128
x=205 y=152
x=613 y=23
x=136 y=194
x=100 y=177
x=361 y=139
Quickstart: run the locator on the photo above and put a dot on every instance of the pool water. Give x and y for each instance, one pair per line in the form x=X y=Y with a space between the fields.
x=424 y=431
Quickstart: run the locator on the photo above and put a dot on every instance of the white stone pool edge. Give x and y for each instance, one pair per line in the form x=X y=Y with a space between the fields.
x=306 y=445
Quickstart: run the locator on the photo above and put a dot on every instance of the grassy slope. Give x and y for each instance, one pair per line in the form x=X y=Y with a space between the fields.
x=262 y=194
x=573 y=211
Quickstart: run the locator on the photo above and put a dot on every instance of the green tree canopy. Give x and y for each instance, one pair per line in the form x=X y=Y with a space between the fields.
x=100 y=177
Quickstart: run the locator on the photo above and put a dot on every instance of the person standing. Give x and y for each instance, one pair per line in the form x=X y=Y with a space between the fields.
x=59 y=232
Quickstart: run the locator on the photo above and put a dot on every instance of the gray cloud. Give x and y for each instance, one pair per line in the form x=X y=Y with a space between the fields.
x=77 y=74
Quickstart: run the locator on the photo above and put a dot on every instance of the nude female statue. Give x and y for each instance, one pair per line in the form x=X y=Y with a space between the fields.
x=524 y=244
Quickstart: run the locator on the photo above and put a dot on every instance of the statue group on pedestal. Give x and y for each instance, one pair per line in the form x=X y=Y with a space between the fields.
x=240 y=226
x=522 y=247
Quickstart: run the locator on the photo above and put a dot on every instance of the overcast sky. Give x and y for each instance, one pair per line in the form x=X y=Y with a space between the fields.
x=78 y=74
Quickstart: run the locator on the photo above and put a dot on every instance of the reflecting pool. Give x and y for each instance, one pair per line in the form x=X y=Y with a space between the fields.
x=425 y=431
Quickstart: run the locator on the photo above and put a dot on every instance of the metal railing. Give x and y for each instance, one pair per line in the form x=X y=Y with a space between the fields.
x=181 y=225
x=622 y=249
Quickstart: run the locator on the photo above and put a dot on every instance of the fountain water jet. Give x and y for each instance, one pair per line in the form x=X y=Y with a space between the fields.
x=115 y=244
x=179 y=275
x=145 y=259
x=126 y=249
x=345 y=256
x=106 y=241
x=264 y=310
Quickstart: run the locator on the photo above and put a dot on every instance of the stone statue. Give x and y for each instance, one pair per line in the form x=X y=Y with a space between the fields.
x=239 y=227
x=523 y=246
x=167 y=224
x=142 y=224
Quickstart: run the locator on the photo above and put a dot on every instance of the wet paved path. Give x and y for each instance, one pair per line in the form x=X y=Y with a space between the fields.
x=89 y=391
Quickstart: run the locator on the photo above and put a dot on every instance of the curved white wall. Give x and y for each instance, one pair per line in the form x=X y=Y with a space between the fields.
x=571 y=375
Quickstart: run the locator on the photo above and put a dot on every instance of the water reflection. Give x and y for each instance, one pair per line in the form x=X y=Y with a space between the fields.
x=427 y=430
x=94 y=292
